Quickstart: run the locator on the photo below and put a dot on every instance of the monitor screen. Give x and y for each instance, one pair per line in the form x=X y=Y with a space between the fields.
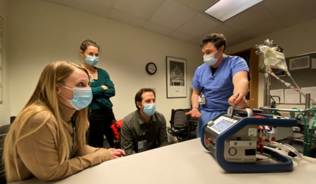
x=222 y=125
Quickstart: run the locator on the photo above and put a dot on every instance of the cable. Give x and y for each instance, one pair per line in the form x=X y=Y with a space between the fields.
x=309 y=136
x=288 y=73
x=312 y=131
x=307 y=146
x=263 y=159
x=308 y=159
x=288 y=151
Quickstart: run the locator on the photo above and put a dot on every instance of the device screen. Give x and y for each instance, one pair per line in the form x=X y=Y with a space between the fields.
x=222 y=125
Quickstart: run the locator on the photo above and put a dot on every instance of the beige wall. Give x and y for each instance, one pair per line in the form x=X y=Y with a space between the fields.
x=5 y=106
x=295 y=40
x=43 y=32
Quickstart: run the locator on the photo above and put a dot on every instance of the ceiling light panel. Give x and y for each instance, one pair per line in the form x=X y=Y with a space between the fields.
x=225 y=9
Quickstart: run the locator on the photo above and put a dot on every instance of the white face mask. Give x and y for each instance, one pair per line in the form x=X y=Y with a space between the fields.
x=91 y=60
x=82 y=97
x=149 y=109
x=210 y=59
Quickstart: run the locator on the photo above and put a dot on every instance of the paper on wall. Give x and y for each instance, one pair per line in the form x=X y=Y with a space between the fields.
x=291 y=96
x=311 y=90
x=277 y=92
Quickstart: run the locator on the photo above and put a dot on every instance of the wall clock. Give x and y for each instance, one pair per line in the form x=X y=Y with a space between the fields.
x=151 y=68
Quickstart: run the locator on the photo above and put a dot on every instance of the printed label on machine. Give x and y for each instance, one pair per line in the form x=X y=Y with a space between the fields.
x=252 y=131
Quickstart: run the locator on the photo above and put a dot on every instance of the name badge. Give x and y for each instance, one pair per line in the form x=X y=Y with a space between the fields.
x=142 y=145
x=201 y=99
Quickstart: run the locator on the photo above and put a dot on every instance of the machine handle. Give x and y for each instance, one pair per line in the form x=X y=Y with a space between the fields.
x=230 y=110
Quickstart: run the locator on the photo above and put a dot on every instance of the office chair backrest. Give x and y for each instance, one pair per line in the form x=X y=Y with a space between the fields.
x=179 y=119
x=3 y=132
x=116 y=127
x=12 y=118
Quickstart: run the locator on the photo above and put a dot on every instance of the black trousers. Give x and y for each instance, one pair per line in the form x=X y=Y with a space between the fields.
x=100 y=124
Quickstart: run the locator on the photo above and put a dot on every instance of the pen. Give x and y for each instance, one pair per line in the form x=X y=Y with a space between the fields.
x=234 y=108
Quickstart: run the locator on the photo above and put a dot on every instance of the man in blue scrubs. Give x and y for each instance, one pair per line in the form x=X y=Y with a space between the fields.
x=218 y=81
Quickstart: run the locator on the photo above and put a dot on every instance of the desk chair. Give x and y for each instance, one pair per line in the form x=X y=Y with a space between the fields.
x=12 y=118
x=182 y=125
x=3 y=132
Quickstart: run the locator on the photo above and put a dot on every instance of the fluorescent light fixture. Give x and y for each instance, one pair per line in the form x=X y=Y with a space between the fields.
x=225 y=9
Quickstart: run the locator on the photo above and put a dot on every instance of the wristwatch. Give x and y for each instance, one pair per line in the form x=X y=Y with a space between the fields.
x=196 y=108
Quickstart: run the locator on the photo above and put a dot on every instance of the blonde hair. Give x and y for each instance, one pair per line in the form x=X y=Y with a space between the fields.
x=44 y=98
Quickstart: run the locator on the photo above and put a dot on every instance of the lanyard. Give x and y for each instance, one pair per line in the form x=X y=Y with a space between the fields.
x=73 y=136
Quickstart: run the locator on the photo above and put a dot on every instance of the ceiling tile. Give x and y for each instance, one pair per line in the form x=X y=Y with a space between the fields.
x=108 y=3
x=279 y=7
x=196 y=41
x=172 y=15
x=75 y=4
x=308 y=10
x=157 y=28
x=198 y=25
x=251 y=17
x=57 y=1
x=140 y=8
x=185 y=20
x=236 y=39
x=83 y=3
x=199 y=5
x=181 y=36
x=98 y=9
x=309 y=2
x=293 y=17
x=263 y=28
x=94 y=6
x=126 y=18
x=219 y=29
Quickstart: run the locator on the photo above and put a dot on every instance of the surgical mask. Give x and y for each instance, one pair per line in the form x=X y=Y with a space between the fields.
x=210 y=59
x=82 y=97
x=91 y=60
x=149 y=109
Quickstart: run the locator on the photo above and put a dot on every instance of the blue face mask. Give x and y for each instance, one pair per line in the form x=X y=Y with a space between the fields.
x=210 y=59
x=82 y=97
x=91 y=60
x=149 y=109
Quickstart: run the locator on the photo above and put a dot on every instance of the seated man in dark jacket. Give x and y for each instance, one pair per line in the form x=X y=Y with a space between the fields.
x=143 y=129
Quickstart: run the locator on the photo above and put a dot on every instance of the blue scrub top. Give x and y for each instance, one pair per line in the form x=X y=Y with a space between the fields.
x=218 y=88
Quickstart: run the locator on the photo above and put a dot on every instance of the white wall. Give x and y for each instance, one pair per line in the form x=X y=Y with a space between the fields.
x=5 y=106
x=43 y=32
x=295 y=40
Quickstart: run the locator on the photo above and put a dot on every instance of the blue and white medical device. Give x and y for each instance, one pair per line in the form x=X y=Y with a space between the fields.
x=233 y=142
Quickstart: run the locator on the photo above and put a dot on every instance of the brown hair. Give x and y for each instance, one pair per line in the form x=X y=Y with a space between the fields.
x=138 y=96
x=84 y=45
x=217 y=39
